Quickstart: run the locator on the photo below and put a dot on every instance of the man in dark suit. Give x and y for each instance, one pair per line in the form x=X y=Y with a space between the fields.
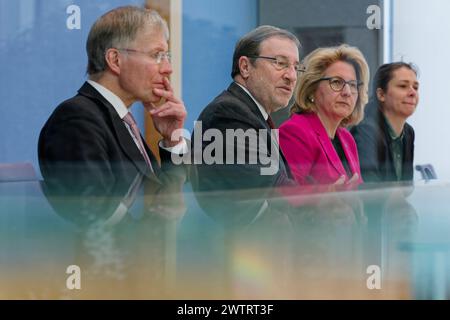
x=236 y=146
x=91 y=141
x=265 y=67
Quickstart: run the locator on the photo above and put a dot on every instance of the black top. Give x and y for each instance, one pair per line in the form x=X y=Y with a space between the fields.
x=396 y=145
x=340 y=151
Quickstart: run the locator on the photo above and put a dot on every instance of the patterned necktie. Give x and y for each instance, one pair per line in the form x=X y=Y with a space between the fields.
x=270 y=122
x=129 y=119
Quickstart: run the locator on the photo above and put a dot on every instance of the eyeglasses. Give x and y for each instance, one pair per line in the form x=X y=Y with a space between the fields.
x=337 y=84
x=157 y=56
x=281 y=63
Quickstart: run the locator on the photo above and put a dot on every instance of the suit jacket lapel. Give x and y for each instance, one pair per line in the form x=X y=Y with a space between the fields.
x=348 y=154
x=124 y=138
x=253 y=108
x=129 y=146
x=326 y=144
x=237 y=91
x=408 y=154
x=384 y=145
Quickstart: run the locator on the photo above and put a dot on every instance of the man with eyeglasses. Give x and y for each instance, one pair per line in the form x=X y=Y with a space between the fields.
x=265 y=69
x=92 y=139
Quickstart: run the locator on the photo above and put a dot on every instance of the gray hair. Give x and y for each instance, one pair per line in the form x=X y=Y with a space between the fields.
x=117 y=29
x=250 y=44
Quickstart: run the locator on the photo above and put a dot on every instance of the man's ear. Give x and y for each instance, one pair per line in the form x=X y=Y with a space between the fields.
x=380 y=95
x=113 y=60
x=244 y=67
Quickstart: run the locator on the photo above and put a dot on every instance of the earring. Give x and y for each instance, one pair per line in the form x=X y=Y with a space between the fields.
x=311 y=99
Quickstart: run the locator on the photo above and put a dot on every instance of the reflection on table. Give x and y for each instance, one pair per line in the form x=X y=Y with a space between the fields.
x=251 y=244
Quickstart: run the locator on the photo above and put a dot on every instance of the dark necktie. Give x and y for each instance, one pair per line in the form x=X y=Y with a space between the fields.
x=270 y=122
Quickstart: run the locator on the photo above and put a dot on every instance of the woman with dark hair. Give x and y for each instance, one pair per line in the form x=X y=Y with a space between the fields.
x=385 y=141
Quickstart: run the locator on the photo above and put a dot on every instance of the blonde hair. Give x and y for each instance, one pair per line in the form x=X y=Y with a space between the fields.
x=316 y=63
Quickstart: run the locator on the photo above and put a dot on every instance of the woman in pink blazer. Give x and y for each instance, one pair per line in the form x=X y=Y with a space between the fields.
x=331 y=95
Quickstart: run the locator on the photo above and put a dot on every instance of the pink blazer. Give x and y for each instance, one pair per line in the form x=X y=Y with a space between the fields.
x=310 y=152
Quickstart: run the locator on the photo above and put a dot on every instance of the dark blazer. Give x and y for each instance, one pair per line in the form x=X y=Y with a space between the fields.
x=85 y=144
x=375 y=157
x=235 y=109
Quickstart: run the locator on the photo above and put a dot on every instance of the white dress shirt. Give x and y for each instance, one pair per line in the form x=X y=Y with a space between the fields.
x=260 y=107
x=265 y=115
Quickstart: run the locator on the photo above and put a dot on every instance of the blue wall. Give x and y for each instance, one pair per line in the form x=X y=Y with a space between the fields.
x=211 y=28
x=44 y=63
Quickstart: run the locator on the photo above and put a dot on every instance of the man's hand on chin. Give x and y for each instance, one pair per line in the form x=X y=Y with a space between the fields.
x=168 y=116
